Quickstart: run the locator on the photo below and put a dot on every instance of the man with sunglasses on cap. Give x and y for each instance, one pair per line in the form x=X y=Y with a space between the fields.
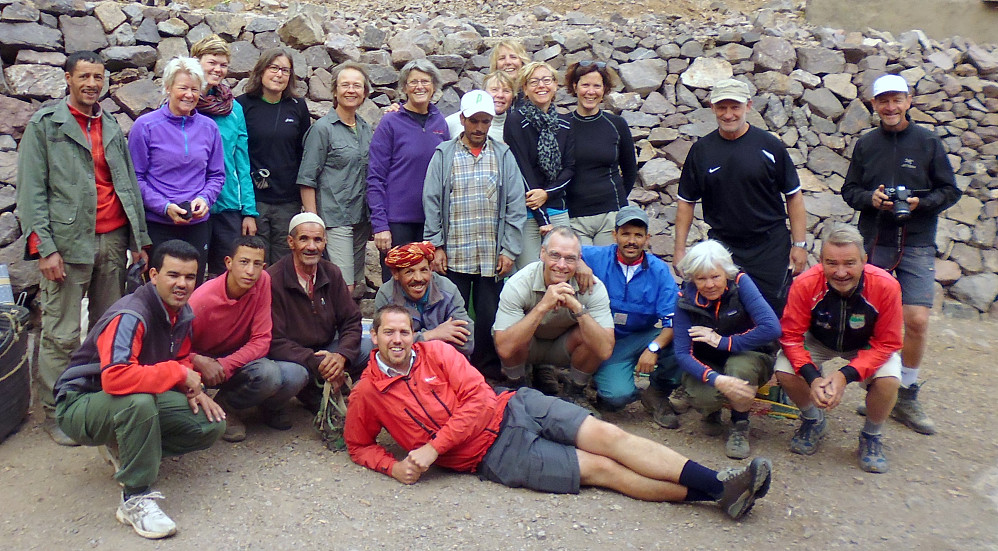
x=900 y=180
x=743 y=174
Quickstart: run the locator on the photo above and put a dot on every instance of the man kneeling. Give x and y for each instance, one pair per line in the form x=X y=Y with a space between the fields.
x=435 y=404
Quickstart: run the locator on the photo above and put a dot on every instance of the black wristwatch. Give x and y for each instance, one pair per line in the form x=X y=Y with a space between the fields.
x=581 y=313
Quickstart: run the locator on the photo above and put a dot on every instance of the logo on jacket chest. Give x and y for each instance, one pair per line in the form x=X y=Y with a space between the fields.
x=908 y=162
x=857 y=321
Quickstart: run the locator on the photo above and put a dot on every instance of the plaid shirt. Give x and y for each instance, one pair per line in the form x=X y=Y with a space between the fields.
x=472 y=231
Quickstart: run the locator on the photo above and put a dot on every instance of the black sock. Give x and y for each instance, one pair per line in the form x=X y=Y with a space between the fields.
x=737 y=416
x=129 y=493
x=700 y=481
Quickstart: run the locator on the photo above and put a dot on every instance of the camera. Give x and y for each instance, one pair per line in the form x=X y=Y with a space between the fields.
x=899 y=196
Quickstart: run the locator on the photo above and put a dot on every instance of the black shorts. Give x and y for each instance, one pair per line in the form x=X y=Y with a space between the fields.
x=536 y=445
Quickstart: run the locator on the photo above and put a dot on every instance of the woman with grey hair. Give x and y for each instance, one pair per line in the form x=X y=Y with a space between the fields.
x=721 y=327
x=400 y=153
x=179 y=161
x=333 y=174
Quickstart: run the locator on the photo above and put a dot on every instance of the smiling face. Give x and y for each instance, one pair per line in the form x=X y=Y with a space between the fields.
x=540 y=88
x=85 y=84
x=306 y=244
x=184 y=94
x=415 y=280
x=561 y=258
x=712 y=283
x=174 y=281
x=394 y=339
x=276 y=76
x=843 y=266
x=216 y=68
x=730 y=115
x=508 y=62
x=590 y=90
x=631 y=240
x=502 y=96
x=419 y=89
x=892 y=107
x=244 y=269
x=351 y=89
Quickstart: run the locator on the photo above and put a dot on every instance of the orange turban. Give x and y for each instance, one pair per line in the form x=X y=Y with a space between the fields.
x=406 y=256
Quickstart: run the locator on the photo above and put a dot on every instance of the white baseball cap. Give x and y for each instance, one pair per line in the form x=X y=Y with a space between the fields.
x=890 y=83
x=477 y=101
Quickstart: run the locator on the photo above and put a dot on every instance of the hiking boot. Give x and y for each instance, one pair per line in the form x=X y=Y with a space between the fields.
x=743 y=486
x=545 y=379
x=278 y=419
x=680 y=400
x=908 y=410
x=109 y=453
x=808 y=434
x=145 y=516
x=711 y=424
x=657 y=404
x=235 y=429
x=871 y=453
x=737 y=446
x=576 y=394
x=54 y=431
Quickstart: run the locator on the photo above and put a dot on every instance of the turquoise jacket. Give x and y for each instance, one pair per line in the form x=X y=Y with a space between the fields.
x=237 y=193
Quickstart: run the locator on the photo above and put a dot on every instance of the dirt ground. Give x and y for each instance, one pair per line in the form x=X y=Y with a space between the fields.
x=283 y=490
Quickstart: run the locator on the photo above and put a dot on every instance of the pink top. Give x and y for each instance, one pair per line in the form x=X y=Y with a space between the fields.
x=233 y=331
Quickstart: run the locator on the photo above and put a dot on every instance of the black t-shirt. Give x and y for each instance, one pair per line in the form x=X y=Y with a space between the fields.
x=605 y=164
x=741 y=183
x=276 y=133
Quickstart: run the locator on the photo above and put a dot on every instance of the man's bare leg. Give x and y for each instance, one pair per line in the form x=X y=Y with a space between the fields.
x=908 y=409
x=640 y=455
x=597 y=470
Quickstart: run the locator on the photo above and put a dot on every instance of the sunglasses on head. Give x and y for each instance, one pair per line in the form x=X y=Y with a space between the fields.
x=598 y=64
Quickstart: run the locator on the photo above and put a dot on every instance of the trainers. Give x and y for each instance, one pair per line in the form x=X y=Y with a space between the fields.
x=54 y=431
x=808 y=434
x=871 y=453
x=278 y=419
x=145 y=516
x=737 y=446
x=576 y=394
x=743 y=486
x=657 y=404
x=908 y=410
x=109 y=452
x=545 y=379
x=711 y=424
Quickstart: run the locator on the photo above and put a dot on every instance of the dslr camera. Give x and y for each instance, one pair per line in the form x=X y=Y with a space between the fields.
x=899 y=195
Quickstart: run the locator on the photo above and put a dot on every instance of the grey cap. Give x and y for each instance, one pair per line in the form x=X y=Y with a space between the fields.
x=732 y=89
x=631 y=213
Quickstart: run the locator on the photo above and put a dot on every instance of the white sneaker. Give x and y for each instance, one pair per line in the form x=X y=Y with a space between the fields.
x=145 y=516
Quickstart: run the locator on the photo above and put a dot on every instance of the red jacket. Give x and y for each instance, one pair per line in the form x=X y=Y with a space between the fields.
x=868 y=320
x=443 y=400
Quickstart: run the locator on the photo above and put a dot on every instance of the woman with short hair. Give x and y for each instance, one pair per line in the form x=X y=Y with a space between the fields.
x=721 y=329
x=508 y=56
x=503 y=91
x=179 y=161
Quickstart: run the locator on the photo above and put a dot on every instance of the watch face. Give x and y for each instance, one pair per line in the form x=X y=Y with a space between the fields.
x=654 y=347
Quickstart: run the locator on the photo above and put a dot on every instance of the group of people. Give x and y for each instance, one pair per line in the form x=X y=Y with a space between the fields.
x=510 y=256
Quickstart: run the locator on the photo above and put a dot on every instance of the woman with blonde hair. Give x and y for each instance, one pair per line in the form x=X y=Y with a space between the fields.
x=508 y=56
x=498 y=85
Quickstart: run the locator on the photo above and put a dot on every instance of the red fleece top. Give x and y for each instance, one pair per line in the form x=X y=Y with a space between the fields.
x=119 y=346
x=233 y=331
x=444 y=401
x=110 y=212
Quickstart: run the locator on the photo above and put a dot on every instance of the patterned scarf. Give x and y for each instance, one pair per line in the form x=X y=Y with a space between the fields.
x=217 y=102
x=546 y=125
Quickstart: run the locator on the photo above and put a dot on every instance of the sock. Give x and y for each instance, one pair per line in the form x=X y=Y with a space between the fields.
x=130 y=493
x=909 y=376
x=872 y=428
x=700 y=481
x=811 y=412
x=737 y=416
x=579 y=378
x=514 y=372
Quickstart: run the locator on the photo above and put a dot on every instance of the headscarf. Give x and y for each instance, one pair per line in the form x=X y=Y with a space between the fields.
x=546 y=125
x=217 y=102
x=407 y=256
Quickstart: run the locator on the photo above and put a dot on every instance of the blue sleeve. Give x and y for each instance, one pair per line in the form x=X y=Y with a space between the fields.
x=767 y=326
x=666 y=306
x=683 y=346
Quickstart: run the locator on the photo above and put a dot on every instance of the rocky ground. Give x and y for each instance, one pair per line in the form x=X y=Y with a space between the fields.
x=283 y=490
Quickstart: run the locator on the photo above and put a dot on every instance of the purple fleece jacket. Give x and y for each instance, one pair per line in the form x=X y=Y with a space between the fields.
x=400 y=152
x=176 y=159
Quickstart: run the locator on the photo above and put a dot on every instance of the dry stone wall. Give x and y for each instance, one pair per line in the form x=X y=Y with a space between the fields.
x=810 y=88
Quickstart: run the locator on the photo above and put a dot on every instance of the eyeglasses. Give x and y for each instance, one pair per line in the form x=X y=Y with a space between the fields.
x=556 y=258
x=587 y=63
x=546 y=81
x=286 y=71
x=417 y=83
x=350 y=86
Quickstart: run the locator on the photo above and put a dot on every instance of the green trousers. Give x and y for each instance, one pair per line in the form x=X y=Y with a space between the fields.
x=146 y=427
x=754 y=367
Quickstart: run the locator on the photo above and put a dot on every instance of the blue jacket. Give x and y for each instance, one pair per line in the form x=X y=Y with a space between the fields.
x=638 y=304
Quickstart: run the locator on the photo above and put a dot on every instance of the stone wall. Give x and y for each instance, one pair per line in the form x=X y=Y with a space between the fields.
x=809 y=84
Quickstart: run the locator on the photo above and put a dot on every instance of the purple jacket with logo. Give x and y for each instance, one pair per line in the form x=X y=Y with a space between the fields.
x=176 y=159
x=400 y=152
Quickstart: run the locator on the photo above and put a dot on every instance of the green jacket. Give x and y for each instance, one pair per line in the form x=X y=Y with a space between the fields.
x=56 y=188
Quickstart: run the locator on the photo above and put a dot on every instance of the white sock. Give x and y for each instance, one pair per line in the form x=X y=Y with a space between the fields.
x=909 y=376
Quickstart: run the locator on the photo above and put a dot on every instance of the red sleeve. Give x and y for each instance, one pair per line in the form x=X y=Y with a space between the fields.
x=796 y=320
x=121 y=373
x=885 y=295
x=361 y=429
x=475 y=398
x=260 y=332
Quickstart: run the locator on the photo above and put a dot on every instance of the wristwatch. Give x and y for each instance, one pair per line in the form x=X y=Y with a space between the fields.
x=584 y=311
x=800 y=244
x=653 y=347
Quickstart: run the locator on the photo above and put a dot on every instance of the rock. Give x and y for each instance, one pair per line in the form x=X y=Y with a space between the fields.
x=841 y=85
x=776 y=114
x=644 y=76
x=547 y=54
x=55 y=59
x=228 y=25
x=138 y=97
x=316 y=56
x=732 y=52
x=40 y=81
x=620 y=101
x=638 y=119
x=777 y=83
x=301 y=31
x=342 y=48
x=984 y=233
x=372 y=38
x=320 y=86
x=24 y=274
x=448 y=61
x=977 y=290
x=957 y=310
x=10 y=229
x=20 y=11
x=170 y=48
x=824 y=161
x=824 y=205
x=941 y=60
x=122 y=36
x=404 y=54
x=173 y=27
x=985 y=62
x=855 y=119
x=969 y=258
x=262 y=24
x=820 y=61
x=705 y=71
x=656 y=104
x=463 y=43
x=244 y=56
x=660 y=136
x=774 y=54
x=381 y=75
x=30 y=35
x=656 y=174
x=662 y=245
x=966 y=210
x=82 y=33
x=14 y=116
x=824 y=103
x=947 y=271
x=147 y=33
x=810 y=182
x=8 y=167
x=62 y=7
x=119 y=57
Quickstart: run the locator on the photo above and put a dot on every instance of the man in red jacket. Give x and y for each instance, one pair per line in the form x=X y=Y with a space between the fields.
x=848 y=309
x=437 y=405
